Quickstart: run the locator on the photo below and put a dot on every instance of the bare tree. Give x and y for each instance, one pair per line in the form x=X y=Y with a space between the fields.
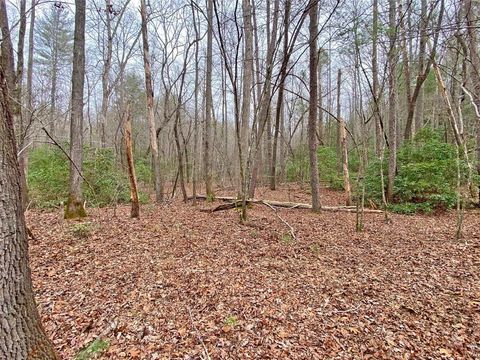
x=312 y=108
x=75 y=206
x=375 y=82
x=392 y=99
x=207 y=140
x=280 y=97
x=472 y=13
x=150 y=111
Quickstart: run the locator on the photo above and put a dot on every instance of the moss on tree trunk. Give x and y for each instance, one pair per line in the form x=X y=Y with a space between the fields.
x=74 y=209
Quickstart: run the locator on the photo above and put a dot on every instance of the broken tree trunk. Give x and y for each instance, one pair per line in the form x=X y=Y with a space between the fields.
x=135 y=210
x=233 y=202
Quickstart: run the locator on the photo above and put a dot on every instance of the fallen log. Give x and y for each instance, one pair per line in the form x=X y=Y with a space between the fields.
x=233 y=202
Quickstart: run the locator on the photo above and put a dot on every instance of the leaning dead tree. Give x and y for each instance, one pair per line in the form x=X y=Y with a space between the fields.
x=135 y=209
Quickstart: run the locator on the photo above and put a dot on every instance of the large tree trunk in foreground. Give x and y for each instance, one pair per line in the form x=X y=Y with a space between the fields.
x=75 y=207
x=150 y=114
x=21 y=333
x=14 y=80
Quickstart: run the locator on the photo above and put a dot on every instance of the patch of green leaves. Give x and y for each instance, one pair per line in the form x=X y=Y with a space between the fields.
x=92 y=350
x=231 y=321
x=82 y=230
x=286 y=238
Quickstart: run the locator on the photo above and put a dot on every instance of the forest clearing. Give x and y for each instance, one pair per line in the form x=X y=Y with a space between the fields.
x=181 y=283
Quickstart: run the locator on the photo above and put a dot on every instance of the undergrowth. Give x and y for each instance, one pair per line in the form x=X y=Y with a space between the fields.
x=106 y=180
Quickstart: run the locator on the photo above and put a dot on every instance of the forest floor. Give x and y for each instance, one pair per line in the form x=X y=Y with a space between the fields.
x=183 y=284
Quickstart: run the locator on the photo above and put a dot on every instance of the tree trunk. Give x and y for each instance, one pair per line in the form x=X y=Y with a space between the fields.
x=339 y=116
x=406 y=70
x=75 y=206
x=7 y=58
x=320 y=100
x=135 y=210
x=472 y=16
x=312 y=114
x=21 y=333
x=207 y=141
x=346 y=175
x=150 y=113
x=280 y=99
x=392 y=101
x=421 y=64
x=107 y=61
x=195 y=126
x=264 y=104
x=424 y=66
x=19 y=100
x=54 y=69
x=246 y=100
x=375 y=85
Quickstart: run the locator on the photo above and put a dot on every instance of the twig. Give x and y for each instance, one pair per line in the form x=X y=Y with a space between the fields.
x=348 y=310
x=283 y=220
x=199 y=336
x=69 y=158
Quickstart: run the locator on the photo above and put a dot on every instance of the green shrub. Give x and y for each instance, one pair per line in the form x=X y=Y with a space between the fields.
x=426 y=175
x=107 y=182
x=298 y=166
x=143 y=169
x=48 y=174
x=328 y=167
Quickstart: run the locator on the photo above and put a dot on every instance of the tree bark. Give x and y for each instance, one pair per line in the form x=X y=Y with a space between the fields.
x=375 y=85
x=280 y=98
x=135 y=209
x=421 y=64
x=196 y=112
x=472 y=16
x=207 y=141
x=21 y=333
x=264 y=104
x=54 y=75
x=150 y=110
x=75 y=206
x=107 y=61
x=392 y=100
x=406 y=69
x=312 y=113
x=246 y=101
x=28 y=118
x=339 y=116
x=321 y=129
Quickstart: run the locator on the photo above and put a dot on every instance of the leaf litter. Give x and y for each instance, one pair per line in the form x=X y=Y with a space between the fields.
x=183 y=284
